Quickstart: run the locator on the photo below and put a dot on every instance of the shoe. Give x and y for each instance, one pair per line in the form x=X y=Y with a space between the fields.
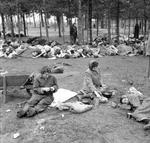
x=147 y=127
x=129 y=115
x=103 y=99
x=21 y=113
x=31 y=112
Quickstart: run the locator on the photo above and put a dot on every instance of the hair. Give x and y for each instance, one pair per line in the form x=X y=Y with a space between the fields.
x=93 y=64
x=121 y=100
x=45 y=69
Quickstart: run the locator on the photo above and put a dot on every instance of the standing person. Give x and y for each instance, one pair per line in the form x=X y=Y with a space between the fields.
x=73 y=34
x=136 y=31
x=44 y=86
x=92 y=84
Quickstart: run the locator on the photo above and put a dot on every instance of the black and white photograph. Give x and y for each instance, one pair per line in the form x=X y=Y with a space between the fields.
x=74 y=71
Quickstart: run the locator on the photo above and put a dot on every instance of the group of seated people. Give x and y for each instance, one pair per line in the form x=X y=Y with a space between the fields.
x=93 y=92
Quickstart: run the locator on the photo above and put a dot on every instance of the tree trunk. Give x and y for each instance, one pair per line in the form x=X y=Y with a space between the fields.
x=69 y=16
x=97 y=25
x=42 y=21
x=109 y=26
x=40 y=25
x=46 y=26
x=145 y=26
x=63 y=29
x=19 y=23
x=27 y=29
x=86 y=21
x=80 y=36
x=34 y=19
x=90 y=20
x=24 y=24
x=124 y=26
x=142 y=23
x=12 y=26
x=102 y=22
x=3 y=25
x=129 y=30
x=117 y=20
x=59 y=24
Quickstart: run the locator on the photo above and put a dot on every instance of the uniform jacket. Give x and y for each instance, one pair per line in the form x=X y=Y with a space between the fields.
x=40 y=82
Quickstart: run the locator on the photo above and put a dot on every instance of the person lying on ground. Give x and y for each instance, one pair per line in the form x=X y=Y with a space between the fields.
x=44 y=85
x=133 y=101
x=92 y=85
x=142 y=113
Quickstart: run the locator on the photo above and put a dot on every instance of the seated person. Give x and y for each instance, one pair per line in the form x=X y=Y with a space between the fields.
x=44 y=85
x=92 y=86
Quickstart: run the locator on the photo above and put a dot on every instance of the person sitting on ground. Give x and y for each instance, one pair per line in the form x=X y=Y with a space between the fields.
x=92 y=85
x=44 y=85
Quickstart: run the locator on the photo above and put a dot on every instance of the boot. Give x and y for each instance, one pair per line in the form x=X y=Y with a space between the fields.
x=21 y=113
x=147 y=127
x=31 y=112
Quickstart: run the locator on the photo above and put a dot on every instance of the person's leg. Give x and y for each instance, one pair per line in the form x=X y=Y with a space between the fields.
x=75 y=37
x=147 y=126
x=30 y=103
x=81 y=94
x=41 y=106
x=71 y=39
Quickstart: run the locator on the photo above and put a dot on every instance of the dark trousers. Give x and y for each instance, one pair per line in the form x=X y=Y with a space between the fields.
x=37 y=103
x=73 y=39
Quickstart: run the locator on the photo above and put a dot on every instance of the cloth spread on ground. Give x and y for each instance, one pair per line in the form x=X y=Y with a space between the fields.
x=75 y=107
x=61 y=96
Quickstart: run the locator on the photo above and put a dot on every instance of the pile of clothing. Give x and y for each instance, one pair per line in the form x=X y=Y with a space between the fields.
x=40 y=47
x=12 y=49
x=127 y=47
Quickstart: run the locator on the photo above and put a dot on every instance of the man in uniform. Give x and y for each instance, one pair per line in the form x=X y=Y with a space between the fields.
x=44 y=86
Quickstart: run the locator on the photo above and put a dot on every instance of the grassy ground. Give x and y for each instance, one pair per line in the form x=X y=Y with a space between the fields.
x=102 y=125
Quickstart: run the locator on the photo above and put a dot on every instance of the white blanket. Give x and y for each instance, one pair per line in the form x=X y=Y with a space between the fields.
x=61 y=96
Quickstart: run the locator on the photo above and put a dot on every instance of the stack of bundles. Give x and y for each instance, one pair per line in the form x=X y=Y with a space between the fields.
x=41 y=41
x=100 y=40
x=9 y=49
x=124 y=50
x=9 y=35
x=36 y=41
x=111 y=50
x=46 y=49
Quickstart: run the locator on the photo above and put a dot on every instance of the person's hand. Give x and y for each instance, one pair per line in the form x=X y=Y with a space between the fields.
x=97 y=94
x=45 y=89
x=52 y=89
x=103 y=99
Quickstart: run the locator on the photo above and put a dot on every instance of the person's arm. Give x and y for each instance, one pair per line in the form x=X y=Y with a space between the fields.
x=36 y=87
x=90 y=84
x=54 y=88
